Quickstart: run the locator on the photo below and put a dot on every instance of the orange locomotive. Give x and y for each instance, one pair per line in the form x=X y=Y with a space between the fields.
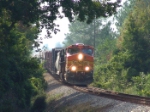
x=74 y=64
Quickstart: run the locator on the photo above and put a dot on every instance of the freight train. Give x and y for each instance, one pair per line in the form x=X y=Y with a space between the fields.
x=74 y=64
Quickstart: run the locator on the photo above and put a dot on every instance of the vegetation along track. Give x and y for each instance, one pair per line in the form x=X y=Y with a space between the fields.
x=114 y=95
x=109 y=94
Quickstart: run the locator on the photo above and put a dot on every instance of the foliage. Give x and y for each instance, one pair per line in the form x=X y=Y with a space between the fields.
x=105 y=44
x=81 y=32
x=39 y=104
x=122 y=14
x=85 y=33
x=107 y=74
x=128 y=68
x=20 y=23
x=142 y=84
x=136 y=38
x=46 y=11
x=17 y=67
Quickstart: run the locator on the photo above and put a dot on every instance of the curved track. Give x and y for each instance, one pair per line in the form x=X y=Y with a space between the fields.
x=109 y=94
x=114 y=95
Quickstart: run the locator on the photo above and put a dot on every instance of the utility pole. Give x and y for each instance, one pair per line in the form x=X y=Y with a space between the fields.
x=94 y=35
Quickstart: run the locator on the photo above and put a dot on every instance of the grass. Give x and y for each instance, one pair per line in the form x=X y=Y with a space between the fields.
x=84 y=107
x=51 y=99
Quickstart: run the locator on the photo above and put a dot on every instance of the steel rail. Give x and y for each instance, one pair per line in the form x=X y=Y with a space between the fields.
x=108 y=94
x=115 y=95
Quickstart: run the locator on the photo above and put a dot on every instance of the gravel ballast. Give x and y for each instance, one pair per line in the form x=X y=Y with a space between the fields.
x=70 y=97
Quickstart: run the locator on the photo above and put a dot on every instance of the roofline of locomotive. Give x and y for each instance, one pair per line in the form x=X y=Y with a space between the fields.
x=82 y=45
x=73 y=45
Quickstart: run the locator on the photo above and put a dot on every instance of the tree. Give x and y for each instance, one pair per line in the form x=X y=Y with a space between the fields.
x=33 y=12
x=106 y=43
x=20 y=23
x=136 y=37
x=81 y=32
x=128 y=68
x=123 y=13
x=17 y=67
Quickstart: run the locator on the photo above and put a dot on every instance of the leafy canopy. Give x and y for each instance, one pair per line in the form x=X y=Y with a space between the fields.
x=46 y=11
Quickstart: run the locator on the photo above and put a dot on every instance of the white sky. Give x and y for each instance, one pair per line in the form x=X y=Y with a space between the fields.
x=59 y=37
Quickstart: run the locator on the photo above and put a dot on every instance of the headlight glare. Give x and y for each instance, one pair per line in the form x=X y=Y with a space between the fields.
x=73 y=68
x=80 y=56
x=87 y=68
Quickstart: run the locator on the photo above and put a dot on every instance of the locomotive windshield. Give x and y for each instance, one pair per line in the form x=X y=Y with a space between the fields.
x=73 y=50
x=87 y=51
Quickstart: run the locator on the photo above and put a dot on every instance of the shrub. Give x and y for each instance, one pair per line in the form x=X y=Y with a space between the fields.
x=39 y=104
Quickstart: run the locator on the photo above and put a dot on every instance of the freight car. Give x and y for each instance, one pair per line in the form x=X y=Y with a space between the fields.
x=74 y=64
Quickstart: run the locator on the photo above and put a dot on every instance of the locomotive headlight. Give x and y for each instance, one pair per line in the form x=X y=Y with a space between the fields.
x=87 y=68
x=73 y=68
x=80 y=57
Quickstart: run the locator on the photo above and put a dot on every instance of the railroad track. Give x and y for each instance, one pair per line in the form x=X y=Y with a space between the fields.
x=109 y=94
x=115 y=95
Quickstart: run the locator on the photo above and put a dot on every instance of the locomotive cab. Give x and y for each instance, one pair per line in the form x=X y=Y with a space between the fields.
x=74 y=64
x=79 y=64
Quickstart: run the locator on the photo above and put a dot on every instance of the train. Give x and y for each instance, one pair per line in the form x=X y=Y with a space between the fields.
x=73 y=64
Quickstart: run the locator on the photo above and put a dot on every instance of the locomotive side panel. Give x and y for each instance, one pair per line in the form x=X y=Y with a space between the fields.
x=48 y=60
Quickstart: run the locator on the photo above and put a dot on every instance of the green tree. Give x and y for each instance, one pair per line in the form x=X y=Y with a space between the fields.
x=122 y=14
x=81 y=32
x=136 y=37
x=105 y=43
x=105 y=39
x=127 y=70
x=17 y=67
x=33 y=12
x=20 y=22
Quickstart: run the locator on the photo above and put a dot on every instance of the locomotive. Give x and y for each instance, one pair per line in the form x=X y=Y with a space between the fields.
x=74 y=64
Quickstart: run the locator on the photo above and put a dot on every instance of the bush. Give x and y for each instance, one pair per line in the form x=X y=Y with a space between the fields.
x=39 y=104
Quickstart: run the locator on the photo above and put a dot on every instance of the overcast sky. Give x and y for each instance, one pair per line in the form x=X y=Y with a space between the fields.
x=59 y=37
